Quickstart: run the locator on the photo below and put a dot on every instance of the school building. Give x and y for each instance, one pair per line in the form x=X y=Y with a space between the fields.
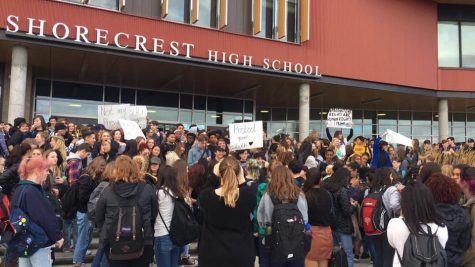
x=406 y=65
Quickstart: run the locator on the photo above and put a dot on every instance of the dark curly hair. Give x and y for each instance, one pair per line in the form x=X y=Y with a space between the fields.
x=444 y=189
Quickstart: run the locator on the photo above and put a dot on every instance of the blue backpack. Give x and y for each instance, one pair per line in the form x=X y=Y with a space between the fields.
x=29 y=237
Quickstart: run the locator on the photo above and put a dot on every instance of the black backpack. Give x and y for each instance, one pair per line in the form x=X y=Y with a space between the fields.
x=184 y=228
x=69 y=201
x=126 y=238
x=287 y=241
x=339 y=258
x=423 y=250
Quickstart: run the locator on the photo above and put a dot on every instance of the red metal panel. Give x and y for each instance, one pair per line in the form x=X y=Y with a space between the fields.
x=384 y=41
x=457 y=80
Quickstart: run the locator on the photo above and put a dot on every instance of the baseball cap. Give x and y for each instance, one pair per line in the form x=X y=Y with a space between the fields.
x=155 y=160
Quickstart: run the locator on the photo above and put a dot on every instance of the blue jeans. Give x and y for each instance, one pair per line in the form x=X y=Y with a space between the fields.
x=41 y=258
x=166 y=254
x=100 y=259
x=84 y=237
x=369 y=246
x=69 y=232
x=346 y=242
x=263 y=253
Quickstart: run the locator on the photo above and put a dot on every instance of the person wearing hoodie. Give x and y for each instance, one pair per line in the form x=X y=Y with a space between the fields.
x=127 y=183
x=446 y=194
x=86 y=184
x=380 y=154
x=30 y=197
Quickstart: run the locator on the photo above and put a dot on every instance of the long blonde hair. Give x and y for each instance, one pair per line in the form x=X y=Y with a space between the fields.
x=61 y=147
x=229 y=169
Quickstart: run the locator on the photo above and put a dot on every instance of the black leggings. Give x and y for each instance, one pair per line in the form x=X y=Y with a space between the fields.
x=384 y=252
x=143 y=261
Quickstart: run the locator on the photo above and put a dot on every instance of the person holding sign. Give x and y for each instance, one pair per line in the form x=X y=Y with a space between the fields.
x=340 y=146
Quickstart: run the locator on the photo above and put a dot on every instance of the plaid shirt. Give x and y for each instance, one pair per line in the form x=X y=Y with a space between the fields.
x=73 y=170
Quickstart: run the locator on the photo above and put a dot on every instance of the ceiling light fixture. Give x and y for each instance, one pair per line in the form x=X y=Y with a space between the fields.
x=264 y=111
x=75 y=105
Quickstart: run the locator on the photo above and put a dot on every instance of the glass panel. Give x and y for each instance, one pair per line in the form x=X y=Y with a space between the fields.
x=207 y=13
x=42 y=106
x=448 y=32
x=292 y=114
x=199 y=118
x=458 y=126
x=468 y=44
x=267 y=19
x=162 y=113
x=158 y=99
x=185 y=116
x=249 y=107
x=225 y=105
x=179 y=10
x=278 y=114
x=74 y=107
x=263 y=116
x=316 y=126
x=471 y=119
x=315 y=114
x=292 y=15
x=109 y=4
x=277 y=127
x=421 y=133
x=112 y=94
x=404 y=118
x=200 y=103
x=186 y=101
x=387 y=118
x=43 y=88
x=422 y=118
x=405 y=130
x=77 y=91
x=127 y=96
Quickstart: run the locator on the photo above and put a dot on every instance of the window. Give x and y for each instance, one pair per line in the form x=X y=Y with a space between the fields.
x=109 y=4
x=207 y=11
x=43 y=87
x=112 y=94
x=127 y=96
x=448 y=44
x=267 y=19
x=456 y=32
x=292 y=15
x=179 y=10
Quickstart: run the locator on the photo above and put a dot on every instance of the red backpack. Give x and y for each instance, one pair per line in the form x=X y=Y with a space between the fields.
x=7 y=231
x=374 y=216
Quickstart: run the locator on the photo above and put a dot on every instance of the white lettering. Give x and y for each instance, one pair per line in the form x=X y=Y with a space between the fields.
x=65 y=29
x=223 y=57
x=213 y=55
x=247 y=61
x=266 y=63
x=174 y=48
x=316 y=72
x=274 y=64
x=41 y=27
x=287 y=66
x=140 y=41
x=81 y=33
x=308 y=69
x=158 y=44
x=117 y=39
x=234 y=59
x=101 y=37
x=13 y=22
x=188 y=49
x=298 y=68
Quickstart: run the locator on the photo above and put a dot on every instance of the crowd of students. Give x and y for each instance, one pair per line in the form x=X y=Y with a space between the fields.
x=285 y=204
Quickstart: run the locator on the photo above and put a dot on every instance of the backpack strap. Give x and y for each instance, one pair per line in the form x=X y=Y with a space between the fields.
x=159 y=213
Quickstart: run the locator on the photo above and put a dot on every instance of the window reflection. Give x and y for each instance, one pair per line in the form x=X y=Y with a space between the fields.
x=109 y=4
x=292 y=14
x=448 y=40
x=267 y=19
x=468 y=44
x=207 y=11
x=73 y=107
x=179 y=10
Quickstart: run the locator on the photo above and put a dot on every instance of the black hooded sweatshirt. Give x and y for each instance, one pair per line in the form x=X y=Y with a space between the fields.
x=107 y=208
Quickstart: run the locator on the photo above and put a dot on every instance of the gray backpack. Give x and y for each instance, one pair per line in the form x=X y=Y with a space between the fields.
x=91 y=204
x=423 y=250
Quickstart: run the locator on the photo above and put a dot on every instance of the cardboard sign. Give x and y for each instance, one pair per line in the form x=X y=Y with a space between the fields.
x=131 y=129
x=396 y=138
x=340 y=118
x=109 y=115
x=246 y=135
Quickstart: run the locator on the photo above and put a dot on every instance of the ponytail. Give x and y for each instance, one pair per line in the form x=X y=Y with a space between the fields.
x=229 y=170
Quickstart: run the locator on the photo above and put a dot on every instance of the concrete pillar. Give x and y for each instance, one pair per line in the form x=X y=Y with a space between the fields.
x=443 y=119
x=18 y=75
x=304 y=111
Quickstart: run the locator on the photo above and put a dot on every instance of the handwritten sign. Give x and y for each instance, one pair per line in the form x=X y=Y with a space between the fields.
x=396 y=138
x=131 y=129
x=109 y=115
x=340 y=118
x=246 y=135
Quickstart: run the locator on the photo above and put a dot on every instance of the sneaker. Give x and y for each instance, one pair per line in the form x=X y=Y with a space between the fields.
x=187 y=262
x=365 y=255
x=88 y=252
x=356 y=258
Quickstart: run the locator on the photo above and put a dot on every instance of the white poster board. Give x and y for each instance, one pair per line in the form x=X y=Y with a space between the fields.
x=396 y=138
x=246 y=135
x=131 y=129
x=109 y=115
x=340 y=118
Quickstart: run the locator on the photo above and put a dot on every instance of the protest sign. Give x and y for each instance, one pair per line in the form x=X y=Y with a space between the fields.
x=397 y=138
x=131 y=129
x=246 y=135
x=340 y=118
x=109 y=115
